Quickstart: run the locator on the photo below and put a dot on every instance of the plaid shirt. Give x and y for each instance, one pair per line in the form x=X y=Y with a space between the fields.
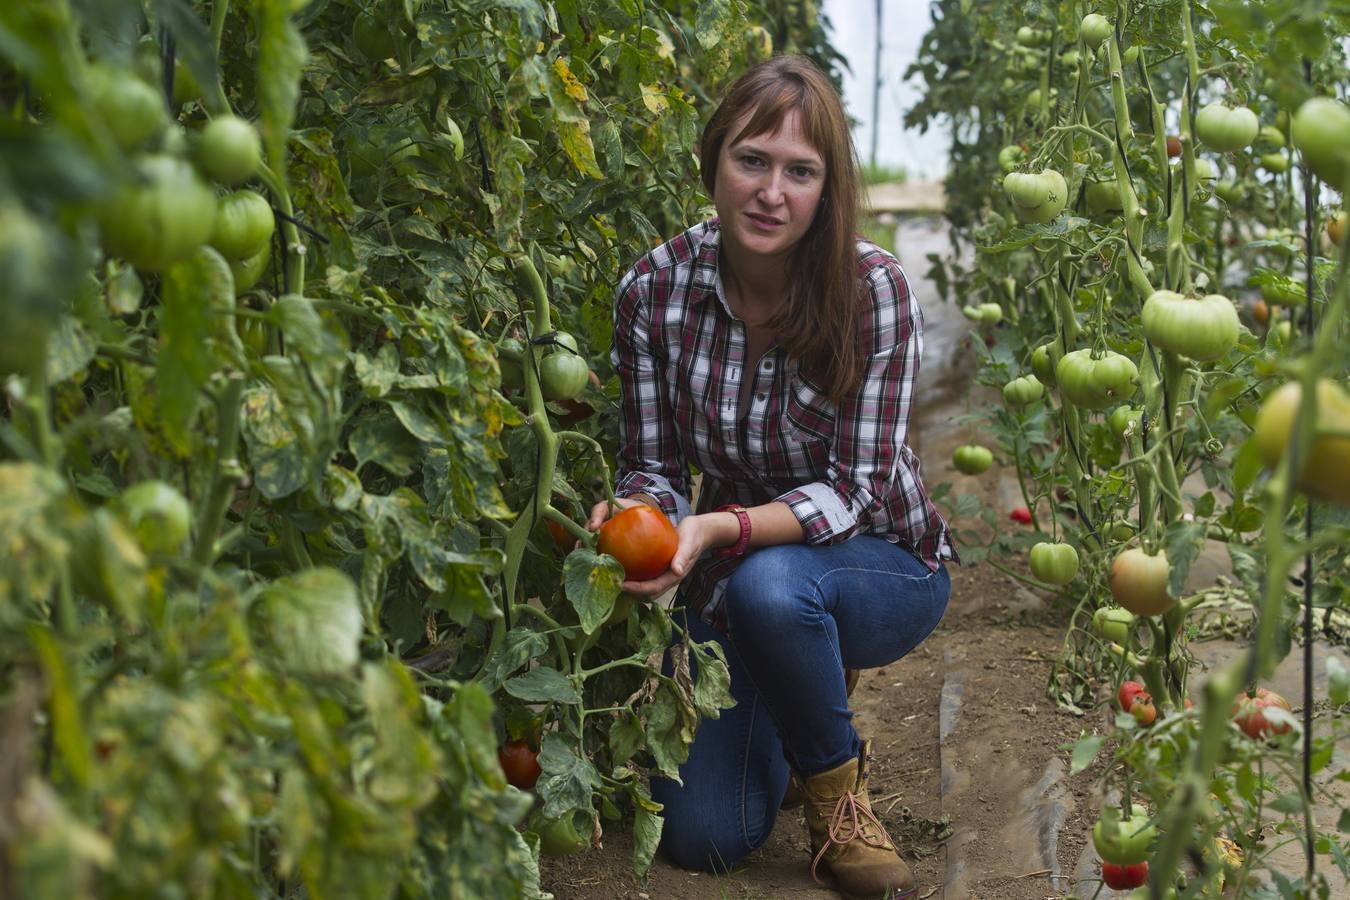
x=680 y=355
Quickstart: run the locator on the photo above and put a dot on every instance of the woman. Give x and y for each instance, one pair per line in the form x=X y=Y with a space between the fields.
x=777 y=352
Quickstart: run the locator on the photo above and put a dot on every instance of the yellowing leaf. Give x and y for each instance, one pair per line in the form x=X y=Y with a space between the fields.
x=654 y=97
x=575 y=89
x=576 y=141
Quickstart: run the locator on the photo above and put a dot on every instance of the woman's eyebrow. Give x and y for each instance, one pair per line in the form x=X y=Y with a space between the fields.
x=749 y=144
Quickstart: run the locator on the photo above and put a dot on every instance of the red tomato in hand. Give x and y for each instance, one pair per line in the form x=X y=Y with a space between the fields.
x=520 y=762
x=1021 y=515
x=642 y=539
x=1124 y=878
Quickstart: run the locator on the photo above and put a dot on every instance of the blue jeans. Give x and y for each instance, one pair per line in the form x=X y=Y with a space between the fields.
x=797 y=616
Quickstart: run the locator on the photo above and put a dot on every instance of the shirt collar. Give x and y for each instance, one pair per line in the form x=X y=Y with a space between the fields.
x=707 y=266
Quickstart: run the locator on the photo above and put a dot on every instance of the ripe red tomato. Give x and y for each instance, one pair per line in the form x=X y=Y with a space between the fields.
x=1173 y=145
x=1249 y=713
x=1021 y=515
x=520 y=762
x=1143 y=710
x=642 y=539
x=1124 y=878
x=561 y=536
x=1128 y=690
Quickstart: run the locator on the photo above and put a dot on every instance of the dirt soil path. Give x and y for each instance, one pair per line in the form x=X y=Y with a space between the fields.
x=969 y=774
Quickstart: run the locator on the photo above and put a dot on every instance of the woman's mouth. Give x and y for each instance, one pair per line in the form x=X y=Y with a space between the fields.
x=767 y=223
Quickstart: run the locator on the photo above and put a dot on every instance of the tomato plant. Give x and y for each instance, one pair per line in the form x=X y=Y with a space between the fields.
x=641 y=538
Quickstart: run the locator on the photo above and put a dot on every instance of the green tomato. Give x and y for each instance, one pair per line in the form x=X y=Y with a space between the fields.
x=1269 y=138
x=1321 y=132
x=565 y=341
x=157 y=515
x=373 y=36
x=1122 y=418
x=563 y=375
x=1032 y=37
x=1095 y=29
x=1036 y=199
x=1139 y=582
x=1323 y=467
x=1283 y=291
x=1203 y=330
x=244 y=225
x=228 y=150
x=133 y=110
x=510 y=357
x=1054 y=563
x=565 y=835
x=1113 y=624
x=1010 y=157
x=1095 y=383
x=1230 y=191
x=1023 y=391
x=1103 y=197
x=161 y=218
x=247 y=272
x=1042 y=365
x=1123 y=842
x=1274 y=162
x=972 y=459
x=1226 y=129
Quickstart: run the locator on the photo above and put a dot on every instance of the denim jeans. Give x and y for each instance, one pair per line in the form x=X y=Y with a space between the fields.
x=797 y=616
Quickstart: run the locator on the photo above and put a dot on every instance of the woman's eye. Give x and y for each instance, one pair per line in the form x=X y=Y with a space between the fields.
x=751 y=161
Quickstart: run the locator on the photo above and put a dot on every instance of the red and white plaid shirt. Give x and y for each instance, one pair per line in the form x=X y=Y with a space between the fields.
x=681 y=355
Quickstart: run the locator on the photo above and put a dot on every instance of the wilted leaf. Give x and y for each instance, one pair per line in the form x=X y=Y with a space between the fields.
x=313 y=621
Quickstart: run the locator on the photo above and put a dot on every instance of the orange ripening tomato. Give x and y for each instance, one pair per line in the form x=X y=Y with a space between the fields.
x=642 y=539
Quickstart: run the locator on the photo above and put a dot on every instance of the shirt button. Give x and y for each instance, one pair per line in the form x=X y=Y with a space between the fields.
x=768 y=365
x=760 y=397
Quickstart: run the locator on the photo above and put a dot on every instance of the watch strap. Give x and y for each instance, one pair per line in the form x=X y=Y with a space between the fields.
x=743 y=541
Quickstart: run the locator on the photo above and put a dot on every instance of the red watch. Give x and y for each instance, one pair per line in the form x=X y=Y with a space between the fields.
x=743 y=542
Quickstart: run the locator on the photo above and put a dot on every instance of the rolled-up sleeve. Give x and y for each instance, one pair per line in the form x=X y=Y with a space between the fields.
x=867 y=472
x=648 y=459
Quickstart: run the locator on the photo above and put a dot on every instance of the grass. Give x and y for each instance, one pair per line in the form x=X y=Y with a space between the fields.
x=875 y=173
x=879 y=232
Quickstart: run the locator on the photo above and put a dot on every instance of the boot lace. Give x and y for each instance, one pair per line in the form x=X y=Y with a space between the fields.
x=848 y=823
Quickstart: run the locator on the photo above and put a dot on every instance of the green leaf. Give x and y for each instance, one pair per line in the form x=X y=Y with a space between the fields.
x=520 y=646
x=313 y=621
x=192 y=42
x=1247 y=783
x=382 y=440
x=592 y=582
x=567 y=780
x=1084 y=752
x=714 y=22
x=712 y=679
x=1247 y=465
x=625 y=737
x=281 y=55
x=543 y=685
x=647 y=827
x=1289 y=804
x=275 y=453
x=193 y=292
x=69 y=349
x=671 y=722
x=63 y=707
x=1183 y=542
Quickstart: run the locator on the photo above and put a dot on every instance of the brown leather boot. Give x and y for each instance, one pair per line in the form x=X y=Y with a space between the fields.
x=792 y=798
x=850 y=843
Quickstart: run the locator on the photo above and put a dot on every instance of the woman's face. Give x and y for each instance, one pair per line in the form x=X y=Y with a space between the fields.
x=767 y=190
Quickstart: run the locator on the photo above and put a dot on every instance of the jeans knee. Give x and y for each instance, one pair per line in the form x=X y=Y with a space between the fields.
x=763 y=587
x=697 y=851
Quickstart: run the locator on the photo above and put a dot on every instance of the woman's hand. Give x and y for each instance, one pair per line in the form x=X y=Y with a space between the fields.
x=697 y=535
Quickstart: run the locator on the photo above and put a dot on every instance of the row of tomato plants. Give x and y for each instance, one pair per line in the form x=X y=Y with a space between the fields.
x=302 y=305
x=1152 y=196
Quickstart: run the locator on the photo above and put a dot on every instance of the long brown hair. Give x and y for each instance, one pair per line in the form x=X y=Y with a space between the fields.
x=820 y=321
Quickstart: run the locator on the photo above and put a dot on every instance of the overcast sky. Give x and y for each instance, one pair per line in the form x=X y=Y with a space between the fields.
x=903 y=25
